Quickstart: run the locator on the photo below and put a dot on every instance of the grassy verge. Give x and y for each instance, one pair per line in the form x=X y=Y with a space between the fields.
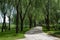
x=52 y=32
x=11 y=35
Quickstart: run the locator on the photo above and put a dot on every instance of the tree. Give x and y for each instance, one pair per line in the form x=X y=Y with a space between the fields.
x=15 y=4
x=17 y=16
x=46 y=9
x=23 y=15
x=30 y=18
x=4 y=10
x=9 y=6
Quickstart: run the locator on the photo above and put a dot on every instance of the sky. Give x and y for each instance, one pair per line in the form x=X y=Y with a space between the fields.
x=1 y=19
x=13 y=11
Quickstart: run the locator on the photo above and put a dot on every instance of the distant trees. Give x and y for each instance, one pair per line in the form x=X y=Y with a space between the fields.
x=33 y=10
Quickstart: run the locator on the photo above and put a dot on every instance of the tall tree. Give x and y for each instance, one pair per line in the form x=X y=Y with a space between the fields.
x=46 y=9
x=15 y=4
x=17 y=16
x=4 y=11
x=23 y=15
x=9 y=4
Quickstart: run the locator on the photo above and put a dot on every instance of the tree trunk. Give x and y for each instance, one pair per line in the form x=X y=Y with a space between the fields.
x=17 y=20
x=9 y=22
x=56 y=27
x=48 y=27
x=47 y=23
x=4 y=24
x=30 y=22
x=34 y=23
x=21 y=25
x=3 y=27
x=47 y=15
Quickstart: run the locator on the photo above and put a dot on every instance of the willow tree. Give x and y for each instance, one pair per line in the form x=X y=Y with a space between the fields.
x=9 y=10
x=55 y=12
x=15 y=5
x=17 y=15
x=4 y=11
x=47 y=14
x=33 y=12
x=46 y=10
x=24 y=5
x=36 y=12
x=30 y=16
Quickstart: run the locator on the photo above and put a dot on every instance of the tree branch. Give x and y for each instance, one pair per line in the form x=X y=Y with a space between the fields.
x=26 y=9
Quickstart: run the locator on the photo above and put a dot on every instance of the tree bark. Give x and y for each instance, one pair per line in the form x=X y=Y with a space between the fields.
x=47 y=15
x=22 y=25
x=47 y=22
x=17 y=20
x=34 y=23
x=9 y=22
x=2 y=27
x=30 y=22
x=4 y=23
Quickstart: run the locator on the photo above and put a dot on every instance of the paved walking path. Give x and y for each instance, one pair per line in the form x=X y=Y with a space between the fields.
x=37 y=34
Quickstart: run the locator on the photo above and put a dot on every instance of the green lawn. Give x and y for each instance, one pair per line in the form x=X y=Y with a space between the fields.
x=11 y=35
x=52 y=31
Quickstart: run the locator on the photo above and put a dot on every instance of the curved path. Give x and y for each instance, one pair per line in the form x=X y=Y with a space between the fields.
x=37 y=34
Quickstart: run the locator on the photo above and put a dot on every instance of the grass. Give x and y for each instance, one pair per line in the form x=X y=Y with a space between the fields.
x=52 y=31
x=11 y=35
